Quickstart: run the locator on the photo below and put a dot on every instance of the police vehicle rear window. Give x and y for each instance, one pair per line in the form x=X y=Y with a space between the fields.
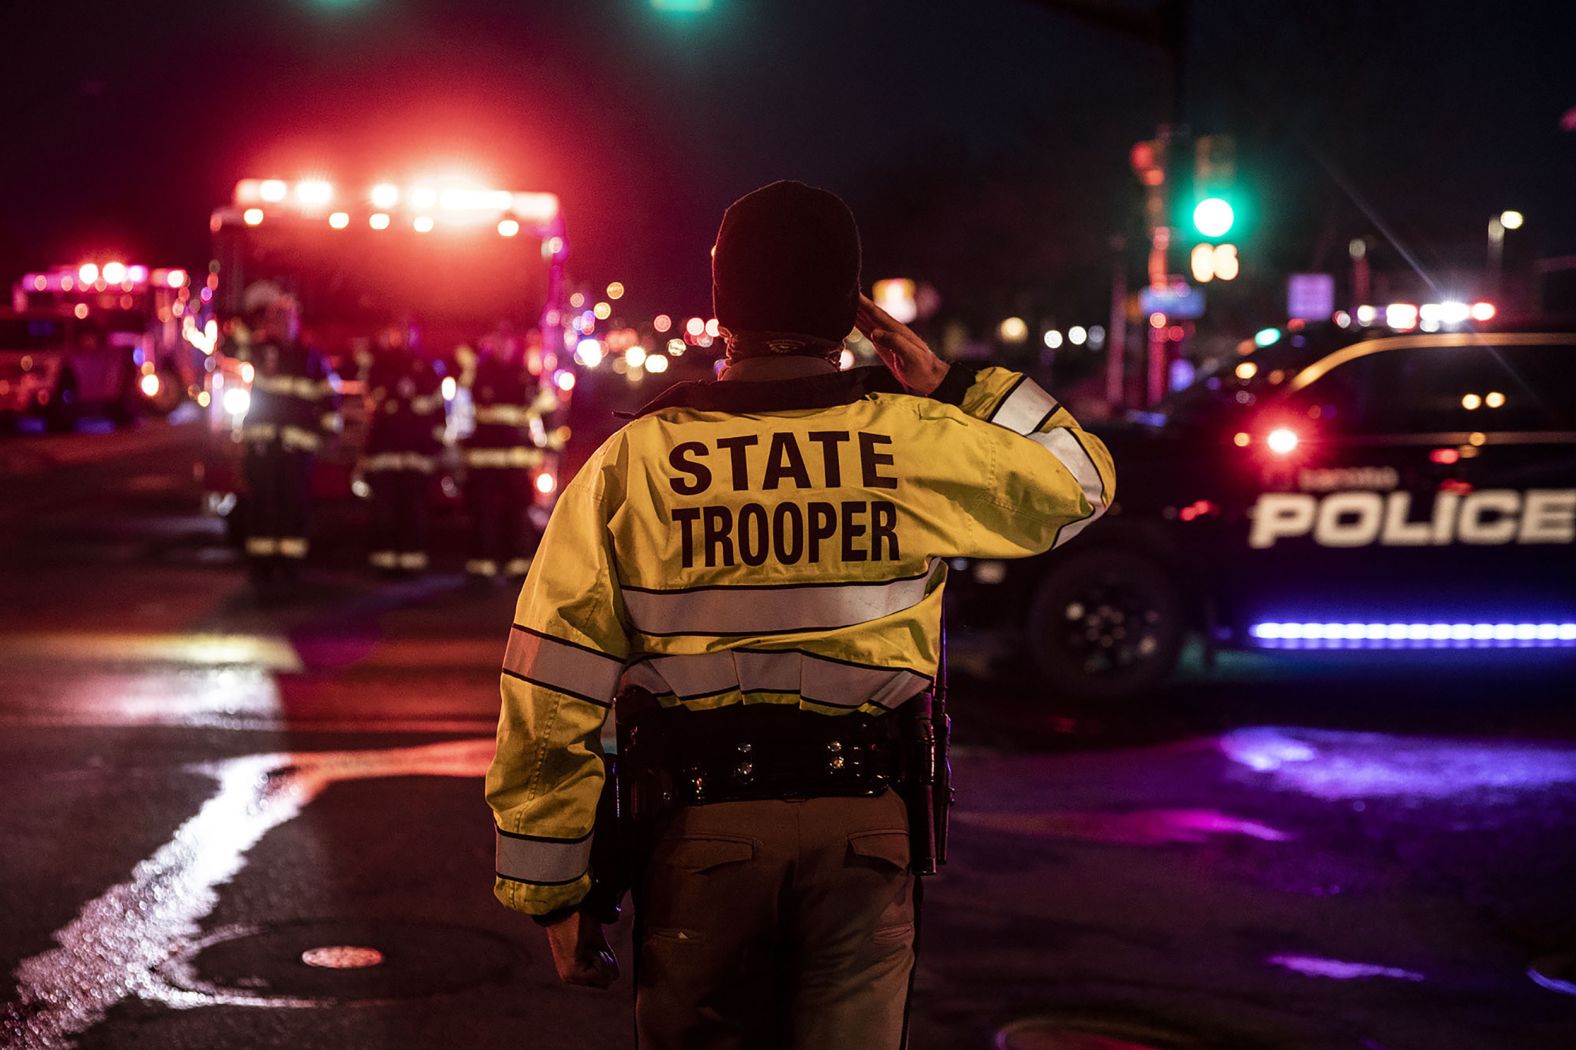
x=1429 y=389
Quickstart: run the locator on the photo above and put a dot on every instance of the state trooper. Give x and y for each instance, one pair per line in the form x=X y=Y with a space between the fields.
x=500 y=455
x=759 y=562
x=406 y=424
x=292 y=409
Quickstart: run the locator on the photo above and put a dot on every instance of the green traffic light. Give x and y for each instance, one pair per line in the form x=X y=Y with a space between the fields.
x=1213 y=217
x=682 y=7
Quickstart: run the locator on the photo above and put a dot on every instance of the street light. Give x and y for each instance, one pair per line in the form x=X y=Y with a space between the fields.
x=1509 y=219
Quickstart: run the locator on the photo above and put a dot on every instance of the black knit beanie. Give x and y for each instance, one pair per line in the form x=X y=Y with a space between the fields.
x=787 y=261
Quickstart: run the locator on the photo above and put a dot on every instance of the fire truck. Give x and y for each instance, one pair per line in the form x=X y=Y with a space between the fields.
x=123 y=343
x=453 y=260
x=1398 y=480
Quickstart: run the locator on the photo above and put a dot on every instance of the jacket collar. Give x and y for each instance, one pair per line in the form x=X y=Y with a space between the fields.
x=778 y=395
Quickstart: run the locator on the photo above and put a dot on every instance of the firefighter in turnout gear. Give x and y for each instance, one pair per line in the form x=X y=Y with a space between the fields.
x=501 y=454
x=292 y=410
x=754 y=568
x=405 y=435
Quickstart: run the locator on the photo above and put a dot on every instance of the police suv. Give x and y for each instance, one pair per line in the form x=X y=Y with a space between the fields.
x=1328 y=488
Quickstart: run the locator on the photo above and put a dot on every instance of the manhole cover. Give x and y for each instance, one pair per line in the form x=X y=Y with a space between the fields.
x=1065 y=1033
x=1557 y=973
x=340 y=961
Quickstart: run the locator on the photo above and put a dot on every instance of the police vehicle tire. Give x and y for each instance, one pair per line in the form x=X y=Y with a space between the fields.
x=1081 y=626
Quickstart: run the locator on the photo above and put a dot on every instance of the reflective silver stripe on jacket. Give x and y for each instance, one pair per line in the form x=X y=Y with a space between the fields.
x=564 y=666
x=1070 y=451
x=771 y=610
x=289 y=435
x=503 y=457
x=835 y=683
x=293 y=386
x=1024 y=409
x=399 y=461
x=542 y=860
x=299 y=438
x=511 y=415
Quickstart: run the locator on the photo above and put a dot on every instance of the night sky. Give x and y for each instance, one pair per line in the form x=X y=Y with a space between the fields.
x=983 y=144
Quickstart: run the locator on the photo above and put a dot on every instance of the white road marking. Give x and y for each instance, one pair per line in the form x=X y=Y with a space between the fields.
x=242 y=699
x=115 y=946
x=187 y=649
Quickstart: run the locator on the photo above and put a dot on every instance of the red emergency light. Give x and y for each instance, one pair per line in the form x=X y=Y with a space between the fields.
x=437 y=202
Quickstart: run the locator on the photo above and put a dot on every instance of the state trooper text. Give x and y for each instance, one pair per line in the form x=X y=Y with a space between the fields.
x=786 y=531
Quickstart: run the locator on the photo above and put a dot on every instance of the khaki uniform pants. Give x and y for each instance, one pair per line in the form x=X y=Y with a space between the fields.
x=777 y=924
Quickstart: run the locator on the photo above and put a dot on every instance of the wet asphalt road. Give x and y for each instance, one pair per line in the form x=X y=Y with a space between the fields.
x=198 y=786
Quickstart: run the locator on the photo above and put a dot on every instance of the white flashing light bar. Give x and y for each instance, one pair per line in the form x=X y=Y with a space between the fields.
x=91 y=277
x=1414 y=635
x=1429 y=317
x=461 y=202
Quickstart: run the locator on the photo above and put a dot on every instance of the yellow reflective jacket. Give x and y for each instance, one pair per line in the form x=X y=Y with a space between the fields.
x=781 y=542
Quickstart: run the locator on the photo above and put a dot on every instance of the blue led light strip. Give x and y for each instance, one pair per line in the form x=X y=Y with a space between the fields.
x=1413 y=635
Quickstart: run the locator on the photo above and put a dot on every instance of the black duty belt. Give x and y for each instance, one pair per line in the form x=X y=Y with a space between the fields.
x=762 y=751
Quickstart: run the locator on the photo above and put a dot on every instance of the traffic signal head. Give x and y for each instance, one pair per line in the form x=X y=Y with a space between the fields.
x=1213 y=217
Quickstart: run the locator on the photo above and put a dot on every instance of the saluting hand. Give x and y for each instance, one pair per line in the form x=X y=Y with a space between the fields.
x=904 y=353
x=581 y=954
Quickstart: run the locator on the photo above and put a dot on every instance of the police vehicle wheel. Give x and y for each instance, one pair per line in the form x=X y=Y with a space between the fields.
x=1106 y=626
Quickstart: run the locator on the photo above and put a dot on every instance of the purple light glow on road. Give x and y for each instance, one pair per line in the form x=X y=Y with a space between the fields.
x=1340 y=765
x=1149 y=827
x=1337 y=970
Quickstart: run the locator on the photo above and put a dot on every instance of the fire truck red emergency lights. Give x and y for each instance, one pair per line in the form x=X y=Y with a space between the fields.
x=100 y=334
x=453 y=259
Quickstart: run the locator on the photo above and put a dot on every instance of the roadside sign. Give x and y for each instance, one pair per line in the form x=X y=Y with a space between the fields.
x=1310 y=296
x=1178 y=300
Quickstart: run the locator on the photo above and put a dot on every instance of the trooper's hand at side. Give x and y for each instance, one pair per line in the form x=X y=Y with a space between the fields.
x=581 y=954
x=904 y=353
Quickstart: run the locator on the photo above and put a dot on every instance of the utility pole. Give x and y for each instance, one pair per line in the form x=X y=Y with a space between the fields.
x=1116 y=333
